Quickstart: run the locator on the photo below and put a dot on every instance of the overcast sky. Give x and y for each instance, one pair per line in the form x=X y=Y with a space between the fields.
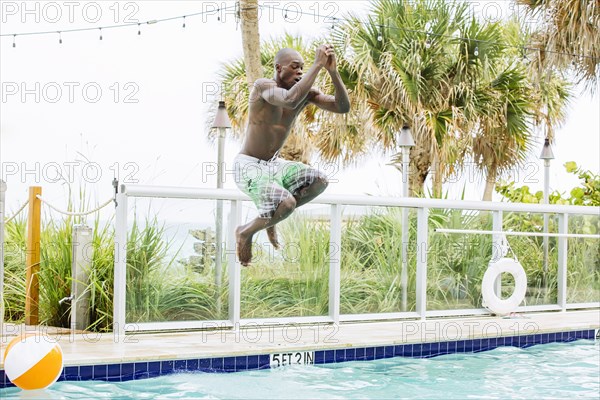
x=135 y=105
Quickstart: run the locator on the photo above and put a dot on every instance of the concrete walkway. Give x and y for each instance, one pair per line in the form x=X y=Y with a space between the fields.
x=92 y=348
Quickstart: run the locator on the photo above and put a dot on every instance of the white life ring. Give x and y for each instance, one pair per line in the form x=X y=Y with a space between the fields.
x=490 y=300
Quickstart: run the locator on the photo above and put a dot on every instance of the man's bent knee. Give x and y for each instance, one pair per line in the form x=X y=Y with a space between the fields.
x=322 y=180
x=287 y=205
x=320 y=184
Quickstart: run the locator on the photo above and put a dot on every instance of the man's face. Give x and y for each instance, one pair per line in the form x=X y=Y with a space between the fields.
x=290 y=70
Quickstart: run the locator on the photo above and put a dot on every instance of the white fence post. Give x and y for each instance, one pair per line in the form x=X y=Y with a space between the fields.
x=233 y=266
x=497 y=248
x=335 y=261
x=422 y=248
x=404 y=265
x=563 y=227
x=120 y=275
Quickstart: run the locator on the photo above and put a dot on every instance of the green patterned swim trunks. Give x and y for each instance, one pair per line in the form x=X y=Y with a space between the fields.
x=268 y=183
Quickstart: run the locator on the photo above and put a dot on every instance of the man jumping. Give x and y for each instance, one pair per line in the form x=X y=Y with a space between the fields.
x=278 y=186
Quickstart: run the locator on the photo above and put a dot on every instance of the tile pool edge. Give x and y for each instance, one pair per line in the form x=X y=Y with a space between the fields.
x=126 y=371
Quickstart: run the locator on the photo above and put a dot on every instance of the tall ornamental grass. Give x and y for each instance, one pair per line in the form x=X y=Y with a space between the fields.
x=294 y=281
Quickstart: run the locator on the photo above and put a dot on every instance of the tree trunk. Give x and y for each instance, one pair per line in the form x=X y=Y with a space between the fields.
x=419 y=169
x=490 y=182
x=437 y=177
x=250 y=39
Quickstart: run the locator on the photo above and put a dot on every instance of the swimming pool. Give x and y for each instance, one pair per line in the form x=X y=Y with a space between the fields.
x=556 y=370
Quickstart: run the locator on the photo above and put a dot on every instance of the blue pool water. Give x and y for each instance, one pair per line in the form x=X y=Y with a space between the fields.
x=557 y=370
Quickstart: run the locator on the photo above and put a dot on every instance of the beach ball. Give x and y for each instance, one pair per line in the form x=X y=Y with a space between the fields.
x=33 y=362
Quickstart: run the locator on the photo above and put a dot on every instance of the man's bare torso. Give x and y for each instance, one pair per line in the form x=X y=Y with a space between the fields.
x=268 y=127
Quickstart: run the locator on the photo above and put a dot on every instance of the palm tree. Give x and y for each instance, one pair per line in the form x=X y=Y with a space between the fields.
x=415 y=67
x=502 y=139
x=522 y=97
x=502 y=136
x=568 y=36
x=463 y=86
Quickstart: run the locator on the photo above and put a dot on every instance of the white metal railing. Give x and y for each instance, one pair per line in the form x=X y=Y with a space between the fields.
x=336 y=202
x=510 y=233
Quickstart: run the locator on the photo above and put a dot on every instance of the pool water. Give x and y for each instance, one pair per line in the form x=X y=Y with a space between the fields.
x=556 y=370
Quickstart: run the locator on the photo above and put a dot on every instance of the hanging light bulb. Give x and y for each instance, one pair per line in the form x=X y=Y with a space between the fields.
x=476 y=51
x=59 y=38
x=183 y=26
x=285 y=15
x=100 y=33
x=428 y=33
x=14 y=40
x=139 y=29
x=218 y=14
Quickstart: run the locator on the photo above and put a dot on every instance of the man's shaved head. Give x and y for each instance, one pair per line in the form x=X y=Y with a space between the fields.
x=284 y=55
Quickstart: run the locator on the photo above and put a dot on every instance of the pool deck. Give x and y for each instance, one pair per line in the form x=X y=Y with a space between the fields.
x=97 y=349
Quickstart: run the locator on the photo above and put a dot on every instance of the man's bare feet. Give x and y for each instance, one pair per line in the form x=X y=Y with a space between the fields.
x=272 y=235
x=244 y=247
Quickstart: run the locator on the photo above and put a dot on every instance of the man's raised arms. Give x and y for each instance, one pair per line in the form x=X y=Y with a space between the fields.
x=296 y=95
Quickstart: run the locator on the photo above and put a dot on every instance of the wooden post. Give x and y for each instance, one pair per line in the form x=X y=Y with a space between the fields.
x=32 y=260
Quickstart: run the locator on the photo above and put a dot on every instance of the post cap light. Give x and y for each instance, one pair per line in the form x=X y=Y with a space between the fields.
x=405 y=139
x=221 y=119
x=547 y=151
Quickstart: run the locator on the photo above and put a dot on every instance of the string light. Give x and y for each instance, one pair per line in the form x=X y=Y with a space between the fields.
x=150 y=22
x=139 y=29
x=285 y=16
x=312 y=13
x=428 y=30
x=218 y=14
x=476 y=51
x=183 y=26
x=59 y=38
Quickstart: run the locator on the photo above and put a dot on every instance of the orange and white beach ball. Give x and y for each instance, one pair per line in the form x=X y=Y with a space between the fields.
x=33 y=362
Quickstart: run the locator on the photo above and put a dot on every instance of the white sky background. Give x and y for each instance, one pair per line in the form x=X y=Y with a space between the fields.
x=161 y=139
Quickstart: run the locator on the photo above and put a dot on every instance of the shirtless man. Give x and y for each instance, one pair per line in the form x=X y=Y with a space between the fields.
x=275 y=185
